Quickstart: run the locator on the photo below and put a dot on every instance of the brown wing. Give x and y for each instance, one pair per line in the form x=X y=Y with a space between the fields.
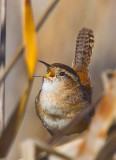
x=37 y=105
x=84 y=45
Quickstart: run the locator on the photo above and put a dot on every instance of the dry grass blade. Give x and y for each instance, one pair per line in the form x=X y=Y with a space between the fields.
x=29 y=39
x=109 y=149
x=20 y=50
x=2 y=60
x=69 y=149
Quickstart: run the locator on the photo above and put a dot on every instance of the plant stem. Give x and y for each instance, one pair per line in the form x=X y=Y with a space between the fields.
x=2 y=60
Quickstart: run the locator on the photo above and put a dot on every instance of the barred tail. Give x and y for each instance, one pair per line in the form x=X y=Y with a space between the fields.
x=84 y=45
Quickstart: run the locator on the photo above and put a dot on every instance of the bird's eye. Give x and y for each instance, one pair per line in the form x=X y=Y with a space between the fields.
x=62 y=73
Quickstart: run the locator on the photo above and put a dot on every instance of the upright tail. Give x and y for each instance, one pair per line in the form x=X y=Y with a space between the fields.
x=84 y=45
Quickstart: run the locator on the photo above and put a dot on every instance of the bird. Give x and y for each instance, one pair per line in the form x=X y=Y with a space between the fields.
x=66 y=91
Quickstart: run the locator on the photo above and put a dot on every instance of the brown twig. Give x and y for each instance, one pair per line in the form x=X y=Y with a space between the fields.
x=2 y=61
x=109 y=148
x=20 y=50
x=32 y=145
x=69 y=148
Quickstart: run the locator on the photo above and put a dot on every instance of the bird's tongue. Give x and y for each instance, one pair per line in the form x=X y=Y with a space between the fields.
x=51 y=73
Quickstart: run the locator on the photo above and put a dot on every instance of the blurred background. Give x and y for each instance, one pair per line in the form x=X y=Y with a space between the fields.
x=56 y=43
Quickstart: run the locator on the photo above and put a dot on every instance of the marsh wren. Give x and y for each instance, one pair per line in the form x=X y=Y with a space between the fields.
x=66 y=91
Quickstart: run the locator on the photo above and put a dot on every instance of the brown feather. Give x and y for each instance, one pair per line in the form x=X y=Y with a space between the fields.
x=84 y=45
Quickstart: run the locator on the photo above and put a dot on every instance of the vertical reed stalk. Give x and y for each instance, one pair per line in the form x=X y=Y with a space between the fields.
x=2 y=60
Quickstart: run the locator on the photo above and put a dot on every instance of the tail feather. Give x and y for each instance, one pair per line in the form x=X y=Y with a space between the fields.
x=84 y=45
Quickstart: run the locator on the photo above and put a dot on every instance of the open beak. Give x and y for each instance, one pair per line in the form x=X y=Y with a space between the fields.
x=51 y=72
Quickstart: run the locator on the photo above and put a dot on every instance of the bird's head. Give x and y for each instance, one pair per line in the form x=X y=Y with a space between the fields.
x=58 y=72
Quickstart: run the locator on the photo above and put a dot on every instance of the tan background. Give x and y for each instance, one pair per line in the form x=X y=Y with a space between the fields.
x=56 y=42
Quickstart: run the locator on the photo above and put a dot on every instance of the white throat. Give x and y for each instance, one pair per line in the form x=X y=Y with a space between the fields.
x=51 y=86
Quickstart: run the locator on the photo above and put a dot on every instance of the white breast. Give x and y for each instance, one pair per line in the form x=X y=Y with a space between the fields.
x=49 y=98
x=51 y=94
